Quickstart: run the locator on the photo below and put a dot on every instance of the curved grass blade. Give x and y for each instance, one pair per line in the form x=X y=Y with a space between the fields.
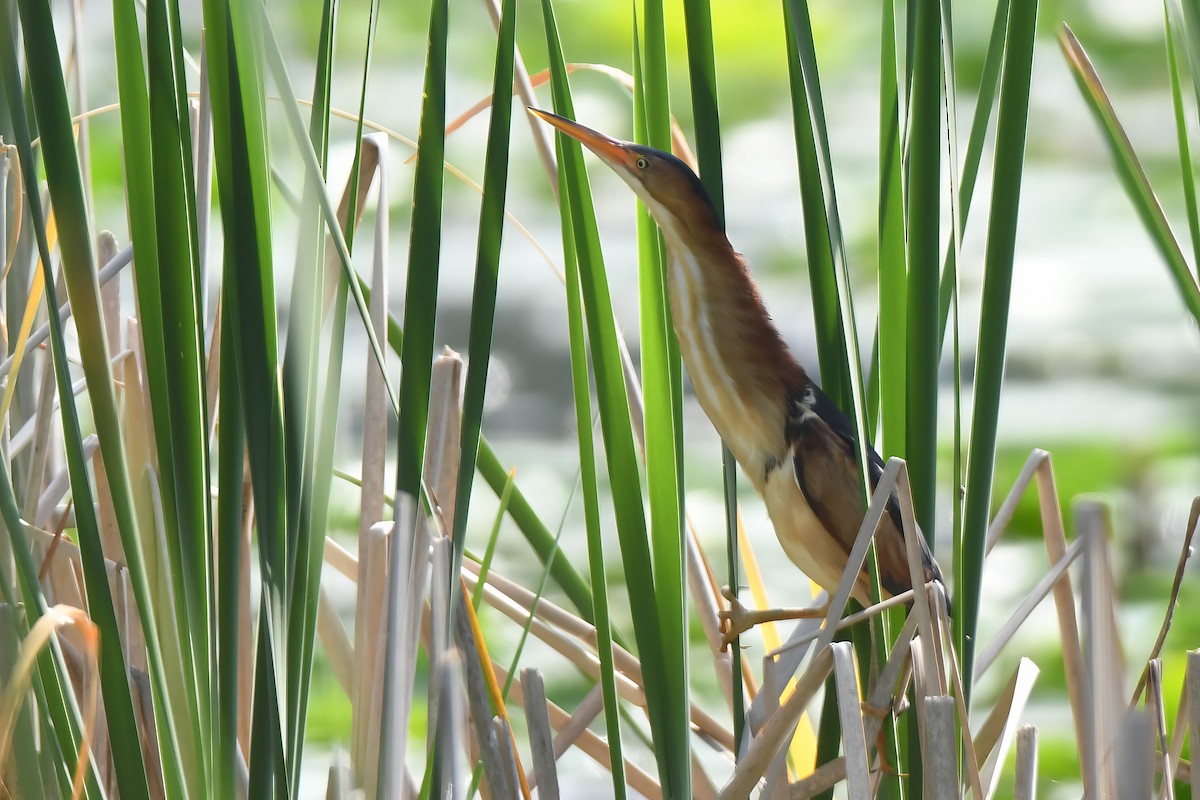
x=1129 y=168
x=51 y=683
x=1181 y=131
x=313 y=174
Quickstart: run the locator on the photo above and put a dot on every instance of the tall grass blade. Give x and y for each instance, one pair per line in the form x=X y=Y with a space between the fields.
x=487 y=264
x=160 y=188
x=707 y=120
x=989 y=83
x=822 y=232
x=231 y=449
x=619 y=445
x=993 y=330
x=420 y=297
x=234 y=35
x=581 y=388
x=892 y=358
x=924 y=246
x=310 y=417
x=662 y=387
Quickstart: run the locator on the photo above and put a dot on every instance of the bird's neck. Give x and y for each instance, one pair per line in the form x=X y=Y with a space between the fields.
x=739 y=366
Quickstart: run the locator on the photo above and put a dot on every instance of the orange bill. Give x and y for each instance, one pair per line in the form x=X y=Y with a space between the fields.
x=612 y=151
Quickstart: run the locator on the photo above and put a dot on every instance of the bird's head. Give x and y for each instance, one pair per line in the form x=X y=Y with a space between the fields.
x=668 y=187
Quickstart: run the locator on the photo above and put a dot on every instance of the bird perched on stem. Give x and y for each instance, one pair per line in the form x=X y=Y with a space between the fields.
x=791 y=440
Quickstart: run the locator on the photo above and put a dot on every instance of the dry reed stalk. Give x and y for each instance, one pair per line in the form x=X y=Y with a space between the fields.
x=854 y=742
x=703 y=787
x=372 y=539
x=341 y=559
x=110 y=296
x=369 y=634
x=1131 y=762
x=337 y=785
x=1031 y=601
x=778 y=728
x=1182 y=712
x=1025 y=784
x=995 y=736
x=938 y=752
x=338 y=647
x=491 y=749
x=1039 y=469
x=575 y=639
x=589 y=743
x=541 y=736
x=1102 y=653
x=1158 y=721
x=39 y=336
x=1192 y=686
x=452 y=730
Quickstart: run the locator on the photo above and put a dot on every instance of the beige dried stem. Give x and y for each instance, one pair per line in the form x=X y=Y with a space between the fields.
x=55 y=618
x=1158 y=719
x=1039 y=468
x=1103 y=651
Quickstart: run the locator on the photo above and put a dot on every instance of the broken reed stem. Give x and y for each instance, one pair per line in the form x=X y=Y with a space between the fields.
x=1180 y=567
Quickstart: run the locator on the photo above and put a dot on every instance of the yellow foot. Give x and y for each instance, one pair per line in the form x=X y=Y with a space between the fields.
x=881 y=713
x=737 y=619
x=885 y=766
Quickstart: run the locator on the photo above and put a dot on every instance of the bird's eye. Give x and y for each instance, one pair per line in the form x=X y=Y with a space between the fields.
x=642 y=163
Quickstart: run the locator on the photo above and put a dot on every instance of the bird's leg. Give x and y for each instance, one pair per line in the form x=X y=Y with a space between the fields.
x=737 y=619
x=881 y=713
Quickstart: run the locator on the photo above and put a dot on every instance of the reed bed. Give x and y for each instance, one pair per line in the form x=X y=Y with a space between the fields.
x=169 y=440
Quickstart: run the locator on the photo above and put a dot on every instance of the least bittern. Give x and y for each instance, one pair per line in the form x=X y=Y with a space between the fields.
x=791 y=440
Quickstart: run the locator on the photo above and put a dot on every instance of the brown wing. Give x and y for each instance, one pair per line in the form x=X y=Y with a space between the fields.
x=826 y=469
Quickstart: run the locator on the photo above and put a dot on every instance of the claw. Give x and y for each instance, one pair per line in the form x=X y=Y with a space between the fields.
x=881 y=713
x=885 y=766
x=733 y=619
x=737 y=619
